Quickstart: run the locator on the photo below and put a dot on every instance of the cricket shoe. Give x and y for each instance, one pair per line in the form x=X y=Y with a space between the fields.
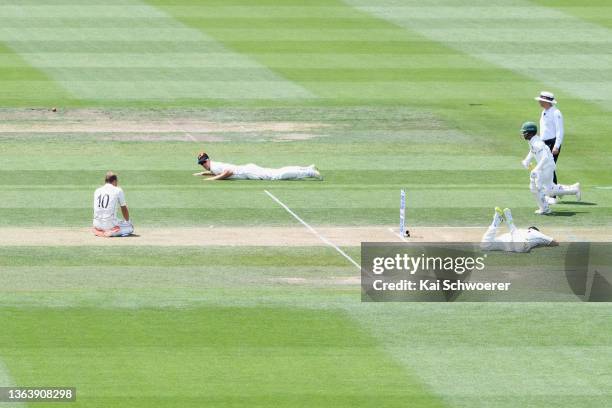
x=578 y=191
x=543 y=211
x=508 y=216
x=498 y=216
x=499 y=212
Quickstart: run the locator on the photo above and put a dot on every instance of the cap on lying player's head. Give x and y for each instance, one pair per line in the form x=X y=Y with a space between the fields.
x=546 y=97
x=533 y=228
x=529 y=129
x=202 y=158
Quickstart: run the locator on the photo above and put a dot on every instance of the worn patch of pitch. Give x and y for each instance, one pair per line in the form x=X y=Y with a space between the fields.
x=268 y=236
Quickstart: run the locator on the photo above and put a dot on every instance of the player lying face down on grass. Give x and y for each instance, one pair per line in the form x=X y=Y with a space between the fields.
x=542 y=184
x=225 y=171
x=516 y=239
x=106 y=198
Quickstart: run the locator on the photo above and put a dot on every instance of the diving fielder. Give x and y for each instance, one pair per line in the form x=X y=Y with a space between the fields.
x=225 y=171
x=542 y=184
x=105 y=202
x=517 y=239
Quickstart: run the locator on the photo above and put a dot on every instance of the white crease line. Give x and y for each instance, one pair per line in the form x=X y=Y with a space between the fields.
x=604 y=187
x=397 y=234
x=193 y=139
x=321 y=237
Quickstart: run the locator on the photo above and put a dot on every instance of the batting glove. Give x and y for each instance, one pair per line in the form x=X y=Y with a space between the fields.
x=525 y=164
x=533 y=175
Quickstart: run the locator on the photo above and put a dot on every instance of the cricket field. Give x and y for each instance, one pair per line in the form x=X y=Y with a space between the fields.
x=224 y=299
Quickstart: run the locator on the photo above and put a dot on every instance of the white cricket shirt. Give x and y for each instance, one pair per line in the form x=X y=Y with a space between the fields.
x=217 y=167
x=105 y=202
x=551 y=125
x=541 y=153
x=523 y=240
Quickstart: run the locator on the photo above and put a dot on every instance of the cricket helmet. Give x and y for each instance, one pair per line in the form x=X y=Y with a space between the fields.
x=529 y=129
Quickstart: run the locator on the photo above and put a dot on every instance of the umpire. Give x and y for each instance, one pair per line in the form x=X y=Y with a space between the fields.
x=551 y=125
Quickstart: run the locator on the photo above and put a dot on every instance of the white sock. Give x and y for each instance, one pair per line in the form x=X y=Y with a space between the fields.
x=566 y=190
x=539 y=196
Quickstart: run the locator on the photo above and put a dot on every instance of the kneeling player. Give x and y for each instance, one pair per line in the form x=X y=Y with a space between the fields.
x=223 y=171
x=105 y=202
x=517 y=239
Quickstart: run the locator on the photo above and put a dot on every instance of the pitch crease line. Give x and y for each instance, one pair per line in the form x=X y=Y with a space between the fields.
x=193 y=139
x=312 y=230
x=397 y=234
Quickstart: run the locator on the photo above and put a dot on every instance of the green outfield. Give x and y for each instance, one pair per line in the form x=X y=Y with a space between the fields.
x=426 y=96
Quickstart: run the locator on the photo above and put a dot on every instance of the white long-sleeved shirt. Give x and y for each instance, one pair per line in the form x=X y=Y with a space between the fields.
x=541 y=153
x=240 y=172
x=105 y=202
x=520 y=240
x=551 y=125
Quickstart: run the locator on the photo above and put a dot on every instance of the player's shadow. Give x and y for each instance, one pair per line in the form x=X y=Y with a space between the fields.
x=575 y=203
x=565 y=213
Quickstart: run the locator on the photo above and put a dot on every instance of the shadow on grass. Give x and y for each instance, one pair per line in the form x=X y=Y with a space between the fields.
x=575 y=203
x=565 y=213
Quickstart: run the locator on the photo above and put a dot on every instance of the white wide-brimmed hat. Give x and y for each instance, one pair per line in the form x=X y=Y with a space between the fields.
x=546 y=97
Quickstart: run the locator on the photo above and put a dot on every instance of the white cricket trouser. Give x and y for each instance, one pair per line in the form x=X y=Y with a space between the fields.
x=254 y=172
x=121 y=229
x=292 y=173
x=543 y=186
x=517 y=240
x=125 y=228
x=506 y=242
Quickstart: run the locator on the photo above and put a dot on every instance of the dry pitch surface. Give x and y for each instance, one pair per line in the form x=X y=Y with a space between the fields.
x=269 y=236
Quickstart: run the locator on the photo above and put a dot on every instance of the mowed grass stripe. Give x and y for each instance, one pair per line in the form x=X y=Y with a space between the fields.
x=192 y=73
x=26 y=84
x=200 y=58
x=415 y=46
x=442 y=95
x=295 y=21
x=118 y=84
x=596 y=12
x=508 y=37
x=516 y=348
x=145 y=71
x=83 y=278
x=346 y=177
x=441 y=214
x=166 y=257
x=287 y=357
x=423 y=196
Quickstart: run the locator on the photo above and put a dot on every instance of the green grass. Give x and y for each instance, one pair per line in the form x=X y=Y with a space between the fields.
x=142 y=327
x=222 y=356
x=426 y=96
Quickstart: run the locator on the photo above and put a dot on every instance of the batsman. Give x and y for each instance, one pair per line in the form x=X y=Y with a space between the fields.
x=542 y=184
